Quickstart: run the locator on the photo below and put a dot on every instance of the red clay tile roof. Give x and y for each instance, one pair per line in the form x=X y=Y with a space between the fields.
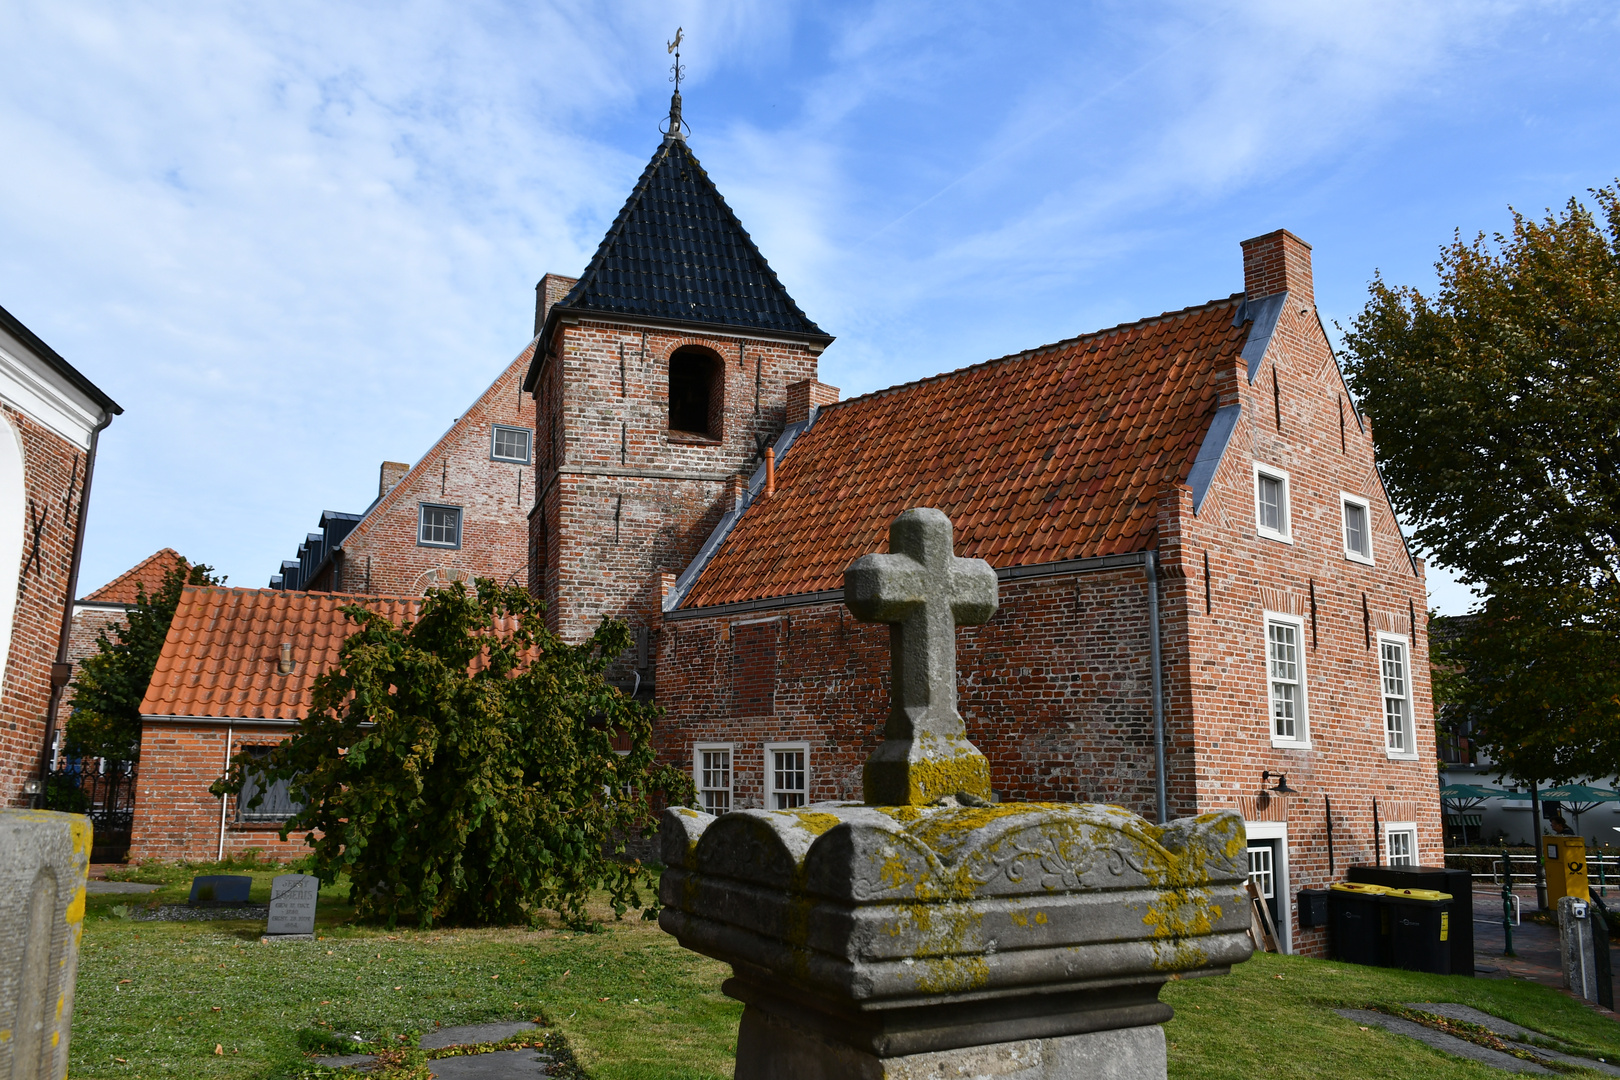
x=1052 y=454
x=148 y=573
x=220 y=658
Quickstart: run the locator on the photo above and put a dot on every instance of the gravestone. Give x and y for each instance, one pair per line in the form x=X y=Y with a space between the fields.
x=44 y=863
x=292 y=906
x=929 y=932
x=220 y=889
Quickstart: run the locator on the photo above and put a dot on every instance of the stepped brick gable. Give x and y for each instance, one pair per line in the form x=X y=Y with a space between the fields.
x=1196 y=486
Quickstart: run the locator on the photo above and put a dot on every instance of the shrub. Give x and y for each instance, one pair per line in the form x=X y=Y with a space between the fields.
x=464 y=768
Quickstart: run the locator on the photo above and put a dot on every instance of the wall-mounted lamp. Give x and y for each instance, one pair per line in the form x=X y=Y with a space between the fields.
x=1282 y=787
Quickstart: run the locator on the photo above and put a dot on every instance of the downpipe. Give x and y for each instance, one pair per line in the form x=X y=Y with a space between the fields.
x=1150 y=563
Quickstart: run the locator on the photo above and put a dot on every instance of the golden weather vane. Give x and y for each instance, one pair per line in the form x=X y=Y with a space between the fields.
x=675 y=47
x=678 y=70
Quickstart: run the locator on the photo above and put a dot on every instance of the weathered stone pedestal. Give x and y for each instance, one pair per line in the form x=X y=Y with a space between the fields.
x=929 y=934
x=1024 y=940
x=44 y=861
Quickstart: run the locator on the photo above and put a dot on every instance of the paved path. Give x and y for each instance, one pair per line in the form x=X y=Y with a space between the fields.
x=100 y=886
x=1537 y=946
x=501 y=1065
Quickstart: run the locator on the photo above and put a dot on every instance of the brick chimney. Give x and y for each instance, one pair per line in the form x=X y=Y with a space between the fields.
x=1276 y=262
x=806 y=393
x=547 y=291
x=392 y=472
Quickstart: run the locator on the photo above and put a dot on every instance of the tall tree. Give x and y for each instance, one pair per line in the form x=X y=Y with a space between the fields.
x=1496 y=402
x=107 y=692
x=472 y=767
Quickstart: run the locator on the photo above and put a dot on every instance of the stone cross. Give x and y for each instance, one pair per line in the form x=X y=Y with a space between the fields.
x=923 y=591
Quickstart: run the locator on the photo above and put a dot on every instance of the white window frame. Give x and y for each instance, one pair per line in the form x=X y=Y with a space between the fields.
x=1286 y=535
x=421 y=525
x=1410 y=734
x=494 y=435
x=1301 y=739
x=1409 y=828
x=771 y=790
x=731 y=775
x=1347 y=500
x=1278 y=830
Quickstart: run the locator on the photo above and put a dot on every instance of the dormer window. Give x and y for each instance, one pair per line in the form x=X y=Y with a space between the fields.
x=696 y=393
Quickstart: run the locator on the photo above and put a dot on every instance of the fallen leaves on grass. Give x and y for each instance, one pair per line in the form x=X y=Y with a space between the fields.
x=1462 y=1029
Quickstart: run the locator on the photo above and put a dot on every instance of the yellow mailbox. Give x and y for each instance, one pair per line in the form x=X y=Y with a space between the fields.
x=1565 y=860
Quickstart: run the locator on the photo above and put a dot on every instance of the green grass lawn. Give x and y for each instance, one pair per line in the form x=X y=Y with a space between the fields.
x=635 y=1006
x=161 y=996
x=1273 y=1018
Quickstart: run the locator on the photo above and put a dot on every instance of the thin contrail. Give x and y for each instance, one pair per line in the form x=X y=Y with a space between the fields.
x=1038 y=133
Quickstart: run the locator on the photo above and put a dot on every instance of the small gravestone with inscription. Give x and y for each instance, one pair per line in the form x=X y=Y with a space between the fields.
x=292 y=907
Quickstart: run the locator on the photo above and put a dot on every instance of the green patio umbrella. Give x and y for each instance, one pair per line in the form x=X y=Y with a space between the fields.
x=1464 y=797
x=1577 y=798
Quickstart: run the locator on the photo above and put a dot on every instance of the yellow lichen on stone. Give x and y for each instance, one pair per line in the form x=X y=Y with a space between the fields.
x=815 y=822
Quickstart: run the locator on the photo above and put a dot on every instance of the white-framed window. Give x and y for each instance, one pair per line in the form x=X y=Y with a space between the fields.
x=1400 y=844
x=1271 y=503
x=1261 y=870
x=1285 y=679
x=439 y=526
x=275 y=801
x=787 y=775
x=510 y=444
x=1395 y=691
x=711 y=771
x=1357 y=514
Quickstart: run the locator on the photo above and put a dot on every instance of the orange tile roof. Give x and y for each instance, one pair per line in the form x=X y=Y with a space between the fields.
x=1052 y=454
x=148 y=573
x=220 y=658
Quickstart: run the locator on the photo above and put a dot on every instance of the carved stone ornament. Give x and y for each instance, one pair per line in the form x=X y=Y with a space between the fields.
x=929 y=932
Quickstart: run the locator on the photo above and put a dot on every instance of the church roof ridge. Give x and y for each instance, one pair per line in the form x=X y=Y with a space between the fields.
x=1054 y=454
x=1036 y=350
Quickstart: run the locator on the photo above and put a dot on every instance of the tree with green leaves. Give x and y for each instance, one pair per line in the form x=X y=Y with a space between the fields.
x=467 y=767
x=1496 y=404
x=108 y=687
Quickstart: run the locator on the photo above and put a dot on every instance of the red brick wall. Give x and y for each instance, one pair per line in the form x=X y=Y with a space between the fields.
x=88 y=624
x=1218 y=659
x=1056 y=688
x=175 y=816
x=621 y=499
x=53 y=478
x=382 y=556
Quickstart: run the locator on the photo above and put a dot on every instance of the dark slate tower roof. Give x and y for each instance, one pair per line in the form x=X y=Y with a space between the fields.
x=677 y=254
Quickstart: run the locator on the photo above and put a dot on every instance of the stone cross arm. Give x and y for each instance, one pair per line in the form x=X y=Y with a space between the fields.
x=923 y=591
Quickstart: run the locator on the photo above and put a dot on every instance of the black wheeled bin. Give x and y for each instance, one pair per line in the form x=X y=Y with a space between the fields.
x=1357 y=923
x=1419 y=930
x=1459 y=883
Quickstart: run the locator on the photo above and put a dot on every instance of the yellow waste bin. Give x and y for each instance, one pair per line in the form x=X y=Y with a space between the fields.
x=1565 y=860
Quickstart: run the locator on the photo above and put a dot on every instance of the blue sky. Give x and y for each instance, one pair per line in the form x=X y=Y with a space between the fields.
x=294 y=240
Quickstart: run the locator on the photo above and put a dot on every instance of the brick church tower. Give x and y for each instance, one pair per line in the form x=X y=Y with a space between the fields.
x=659 y=377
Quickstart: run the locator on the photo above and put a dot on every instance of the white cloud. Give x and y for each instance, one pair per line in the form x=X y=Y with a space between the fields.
x=294 y=240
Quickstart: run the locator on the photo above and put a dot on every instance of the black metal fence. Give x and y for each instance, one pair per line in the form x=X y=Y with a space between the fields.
x=105 y=792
